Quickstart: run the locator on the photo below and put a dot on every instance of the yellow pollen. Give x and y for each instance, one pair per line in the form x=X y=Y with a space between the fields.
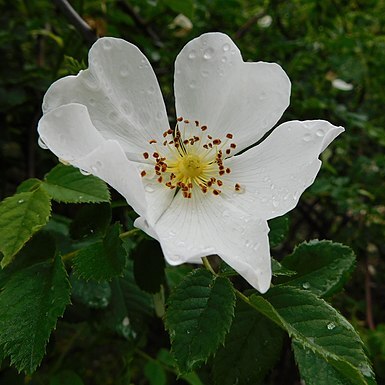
x=189 y=159
x=190 y=166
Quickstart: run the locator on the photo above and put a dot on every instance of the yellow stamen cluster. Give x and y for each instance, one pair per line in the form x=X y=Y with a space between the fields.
x=196 y=161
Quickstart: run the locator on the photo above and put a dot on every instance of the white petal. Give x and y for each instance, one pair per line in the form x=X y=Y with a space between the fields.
x=120 y=91
x=274 y=174
x=216 y=87
x=109 y=163
x=206 y=224
x=69 y=133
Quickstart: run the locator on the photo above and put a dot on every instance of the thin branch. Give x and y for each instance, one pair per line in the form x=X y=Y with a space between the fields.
x=368 y=297
x=248 y=25
x=141 y=23
x=74 y=18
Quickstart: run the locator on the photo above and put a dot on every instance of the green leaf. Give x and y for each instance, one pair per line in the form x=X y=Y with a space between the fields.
x=155 y=373
x=149 y=266
x=317 y=326
x=28 y=185
x=34 y=298
x=314 y=370
x=93 y=294
x=199 y=315
x=278 y=269
x=251 y=349
x=91 y=220
x=185 y=7
x=66 y=377
x=102 y=260
x=67 y=184
x=322 y=266
x=279 y=227
x=21 y=216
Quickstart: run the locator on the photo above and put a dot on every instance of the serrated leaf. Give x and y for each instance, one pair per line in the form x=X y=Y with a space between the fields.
x=67 y=184
x=91 y=220
x=278 y=269
x=102 y=260
x=149 y=266
x=279 y=228
x=21 y=216
x=314 y=370
x=322 y=266
x=93 y=294
x=317 y=326
x=28 y=185
x=251 y=348
x=34 y=298
x=199 y=315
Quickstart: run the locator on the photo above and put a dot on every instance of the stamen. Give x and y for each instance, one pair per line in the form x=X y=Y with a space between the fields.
x=143 y=174
x=145 y=155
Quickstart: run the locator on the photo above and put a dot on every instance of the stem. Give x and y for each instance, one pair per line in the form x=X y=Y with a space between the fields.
x=67 y=257
x=368 y=297
x=149 y=358
x=74 y=18
x=208 y=266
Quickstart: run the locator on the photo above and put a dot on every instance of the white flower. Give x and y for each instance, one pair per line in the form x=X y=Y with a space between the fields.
x=341 y=85
x=195 y=188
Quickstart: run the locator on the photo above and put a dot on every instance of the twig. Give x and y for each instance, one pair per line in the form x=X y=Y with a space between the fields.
x=140 y=22
x=74 y=18
x=368 y=297
x=249 y=23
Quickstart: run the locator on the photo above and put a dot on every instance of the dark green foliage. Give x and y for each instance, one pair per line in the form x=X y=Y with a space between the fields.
x=34 y=298
x=198 y=317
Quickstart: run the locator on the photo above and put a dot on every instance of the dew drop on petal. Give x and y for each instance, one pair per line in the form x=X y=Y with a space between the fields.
x=320 y=133
x=84 y=172
x=149 y=189
x=192 y=84
x=192 y=54
x=41 y=143
x=151 y=90
x=123 y=71
x=224 y=59
x=107 y=44
x=174 y=258
x=92 y=102
x=226 y=47
x=262 y=95
x=307 y=137
x=205 y=73
x=208 y=53
x=113 y=116
x=275 y=203
x=331 y=325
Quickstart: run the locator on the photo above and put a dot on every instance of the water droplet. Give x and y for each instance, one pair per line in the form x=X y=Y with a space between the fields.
x=125 y=321
x=275 y=203
x=205 y=73
x=307 y=137
x=107 y=44
x=171 y=233
x=365 y=370
x=84 y=172
x=320 y=133
x=256 y=246
x=226 y=47
x=224 y=59
x=20 y=201
x=92 y=102
x=192 y=84
x=149 y=189
x=178 y=72
x=159 y=115
x=123 y=71
x=306 y=285
x=41 y=143
x=174 y=258
x=221 y=72
x=331 y=325
x=151 y=90
x=192 y=54
x=208 y=53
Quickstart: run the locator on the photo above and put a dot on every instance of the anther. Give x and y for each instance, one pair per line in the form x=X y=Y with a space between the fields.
x=230 y=136
x=217 y=141
x=197 y=123
x=233 y=145
x=152 y=141
x=145 y=155
x=204 y=128
x=216 y=192
x=180 y=119
x=160 y=179
x=228 y=170
x=143 y=174
x=155 y=155
x=186 y=121
x=228 y=151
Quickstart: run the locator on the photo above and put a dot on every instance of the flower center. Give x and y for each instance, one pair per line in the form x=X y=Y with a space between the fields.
x=191 y=159
x=190 y=166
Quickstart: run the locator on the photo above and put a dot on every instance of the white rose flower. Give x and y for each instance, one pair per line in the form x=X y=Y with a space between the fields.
x=196 y=189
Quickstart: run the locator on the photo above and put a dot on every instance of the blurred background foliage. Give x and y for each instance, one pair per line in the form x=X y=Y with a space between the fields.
x=334 y=53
